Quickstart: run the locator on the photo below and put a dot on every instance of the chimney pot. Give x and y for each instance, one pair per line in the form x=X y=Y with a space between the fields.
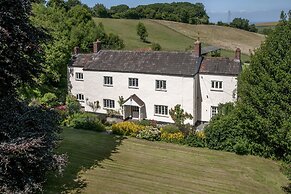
x=76 y=50
x=197 y=48
x=96 y=46
x=237 y=57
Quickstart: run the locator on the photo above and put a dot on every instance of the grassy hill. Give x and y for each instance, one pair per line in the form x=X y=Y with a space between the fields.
x=179 y=36
x=100 y=163
x=225 y=37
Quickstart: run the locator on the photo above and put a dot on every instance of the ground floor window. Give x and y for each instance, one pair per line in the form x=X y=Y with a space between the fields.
x=214 y=111
x=107 y=103
x=161 y=110
x=80 y=97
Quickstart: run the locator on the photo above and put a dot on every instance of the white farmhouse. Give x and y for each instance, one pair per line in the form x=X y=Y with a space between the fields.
x=151 y=83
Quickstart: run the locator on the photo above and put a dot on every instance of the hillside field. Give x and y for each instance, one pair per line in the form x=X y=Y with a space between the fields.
x=179 y=36
x=101 y=163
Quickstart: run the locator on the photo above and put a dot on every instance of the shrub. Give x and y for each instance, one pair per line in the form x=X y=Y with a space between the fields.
x=241 y=147
x=49 y=100
x=146 y=122
x=170 y=129
x=156 y=47
x=150 y=133
x=73 y=104
x=196 y=139
x=176 y=137
x=85 y=121
x=126 y=128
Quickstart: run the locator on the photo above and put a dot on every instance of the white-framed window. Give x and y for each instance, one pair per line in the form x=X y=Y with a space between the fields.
x=216 y=85
x=80 y=97
x=107 y=103
x=79 y=76
x=133 y=82
x=161 y=110
x=161 y=85
x=214 y=111
x=108 y=81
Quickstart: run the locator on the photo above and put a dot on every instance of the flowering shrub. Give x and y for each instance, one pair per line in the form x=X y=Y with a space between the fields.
x=170 y=129
x=149 y=133
x=176 y=137
x=126 y=128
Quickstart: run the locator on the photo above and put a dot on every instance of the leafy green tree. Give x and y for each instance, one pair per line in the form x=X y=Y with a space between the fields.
x=118 y=9
x=260 y=122
x=253 y=28
x=179 y=115
x=56 y=3
x=20 y=51
x=142 y=31
x=240 y=23
x=28 y=135
x=100 y=11
x=156 y=47
x=72 y=3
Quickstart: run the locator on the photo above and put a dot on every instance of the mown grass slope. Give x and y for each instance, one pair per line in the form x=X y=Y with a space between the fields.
x=225 y=37
x=126 y=29
x=101 y=163
x=176 y=36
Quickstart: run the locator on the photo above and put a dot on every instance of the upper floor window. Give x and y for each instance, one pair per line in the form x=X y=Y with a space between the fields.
x=79 y=76
x=108 y=81
x=133 y=82
x=107 y=103
x=161 y=110
x=214 y=111
x=216 y=85
x=161 y=85
x=80 y=97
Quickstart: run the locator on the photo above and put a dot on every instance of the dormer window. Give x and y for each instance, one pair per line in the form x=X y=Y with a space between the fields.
x=216 y=85
x=79 y=76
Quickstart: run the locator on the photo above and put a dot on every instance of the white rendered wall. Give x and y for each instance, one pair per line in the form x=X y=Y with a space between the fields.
x=76 y=86
x=180 y=90
x=208 y=97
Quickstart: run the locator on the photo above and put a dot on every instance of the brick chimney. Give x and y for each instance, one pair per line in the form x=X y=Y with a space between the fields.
x=237 y=57
x=197 y=48
x=76 y=50
x=96 y=46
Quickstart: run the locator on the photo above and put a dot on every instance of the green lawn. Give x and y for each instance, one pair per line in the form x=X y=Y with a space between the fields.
x=108 y=164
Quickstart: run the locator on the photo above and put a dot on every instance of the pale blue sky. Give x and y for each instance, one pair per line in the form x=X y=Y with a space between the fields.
x=254 y=10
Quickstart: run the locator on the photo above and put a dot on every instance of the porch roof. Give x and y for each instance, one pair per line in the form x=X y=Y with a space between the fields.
x=136 y=101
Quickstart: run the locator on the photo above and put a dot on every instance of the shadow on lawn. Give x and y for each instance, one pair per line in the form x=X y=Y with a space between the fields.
x=84 y=152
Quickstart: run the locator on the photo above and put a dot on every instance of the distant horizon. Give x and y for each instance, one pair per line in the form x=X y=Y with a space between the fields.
x=257 y=11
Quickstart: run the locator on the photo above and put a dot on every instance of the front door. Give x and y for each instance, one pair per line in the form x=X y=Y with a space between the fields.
x=135 y=112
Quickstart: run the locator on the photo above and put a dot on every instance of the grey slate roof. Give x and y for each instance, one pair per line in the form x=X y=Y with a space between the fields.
x=220 y=66
x=209 y=49
x=163 y=63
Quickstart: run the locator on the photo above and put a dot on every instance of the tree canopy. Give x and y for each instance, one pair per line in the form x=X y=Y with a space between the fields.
x=141 y=31
x=243 y=24
x=179 y=12
x=69 y=26
x=260 y=122
x=28 y=135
